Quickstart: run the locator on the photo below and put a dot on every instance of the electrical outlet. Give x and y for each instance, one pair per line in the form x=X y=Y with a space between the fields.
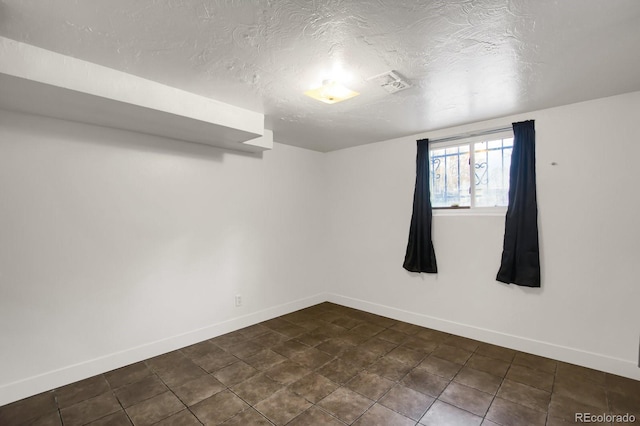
x=238 y=300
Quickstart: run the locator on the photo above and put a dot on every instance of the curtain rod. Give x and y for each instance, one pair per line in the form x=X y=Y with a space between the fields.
x=470 y=135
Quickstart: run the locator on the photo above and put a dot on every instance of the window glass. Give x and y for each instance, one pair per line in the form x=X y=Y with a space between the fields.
x=471 y=174
x=450 y=177
x=492 y=161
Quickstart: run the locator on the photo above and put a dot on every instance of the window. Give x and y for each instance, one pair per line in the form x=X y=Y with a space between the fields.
x=472 y=172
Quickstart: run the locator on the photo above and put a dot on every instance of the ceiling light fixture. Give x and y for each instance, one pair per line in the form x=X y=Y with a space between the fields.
x=331 y=92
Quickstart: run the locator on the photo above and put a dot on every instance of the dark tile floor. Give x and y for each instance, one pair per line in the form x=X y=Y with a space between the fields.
x=331 y=365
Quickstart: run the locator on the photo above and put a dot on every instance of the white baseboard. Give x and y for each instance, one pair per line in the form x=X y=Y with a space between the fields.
x=53 y=379
x=593 y=360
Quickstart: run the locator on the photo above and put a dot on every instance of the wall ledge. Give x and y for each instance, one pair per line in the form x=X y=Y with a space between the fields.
x=42 y=82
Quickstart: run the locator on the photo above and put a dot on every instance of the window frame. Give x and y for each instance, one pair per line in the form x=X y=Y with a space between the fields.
x=470 y=141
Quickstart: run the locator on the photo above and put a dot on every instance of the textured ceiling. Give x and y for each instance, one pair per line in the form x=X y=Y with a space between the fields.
x=468 y=60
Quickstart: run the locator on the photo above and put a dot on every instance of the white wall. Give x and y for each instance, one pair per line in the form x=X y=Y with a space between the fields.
x=587 y=309
x=117 y=246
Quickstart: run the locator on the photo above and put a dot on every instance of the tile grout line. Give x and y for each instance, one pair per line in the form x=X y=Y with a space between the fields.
x=287 y=386
x=496 y=394
x=399 y=381
x=155 y=373
x=456 y=375
x=364 y=369
x=553 y=387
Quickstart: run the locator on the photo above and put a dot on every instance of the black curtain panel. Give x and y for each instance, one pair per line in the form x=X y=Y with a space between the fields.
x=420 y=255
x=521 y=254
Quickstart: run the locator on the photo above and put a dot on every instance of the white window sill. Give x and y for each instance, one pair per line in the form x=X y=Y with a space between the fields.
x=478 y=211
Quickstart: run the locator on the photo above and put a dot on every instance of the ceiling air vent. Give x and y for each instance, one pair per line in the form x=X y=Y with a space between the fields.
x=391 y=81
